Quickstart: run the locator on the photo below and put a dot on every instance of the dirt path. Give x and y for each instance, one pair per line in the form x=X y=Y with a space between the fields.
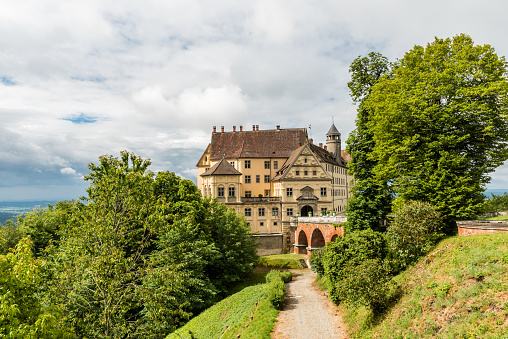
x=307 y=312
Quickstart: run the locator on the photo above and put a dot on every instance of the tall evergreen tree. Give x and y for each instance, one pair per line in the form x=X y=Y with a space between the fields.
x=371 y=200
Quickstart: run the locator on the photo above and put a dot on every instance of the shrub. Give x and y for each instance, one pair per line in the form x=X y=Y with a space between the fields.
x=285 y=276
x=346 y=253
x=316 y=261
x=276 y=287
x=365 y=285
x=414 y=231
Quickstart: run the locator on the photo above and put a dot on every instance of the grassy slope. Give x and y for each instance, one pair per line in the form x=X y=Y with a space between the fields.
x=288 y=261
x=460 y=290
x=234 y=312
x=499 y=217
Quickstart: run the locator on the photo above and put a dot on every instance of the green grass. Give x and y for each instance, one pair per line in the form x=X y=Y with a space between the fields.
x=249 y=313
x=460 y=290
x=287 y=261
x=499 y=217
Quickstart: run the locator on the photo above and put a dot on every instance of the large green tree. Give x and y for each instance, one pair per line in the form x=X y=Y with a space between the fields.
x=371 y=199
x=439 y=124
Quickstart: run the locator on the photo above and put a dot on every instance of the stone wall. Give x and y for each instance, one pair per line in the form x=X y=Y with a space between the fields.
x=269 y=244
x=475 y=227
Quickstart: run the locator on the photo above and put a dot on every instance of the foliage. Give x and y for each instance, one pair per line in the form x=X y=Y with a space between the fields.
x=22 y=312
x=249 y=313
x=365 y=285
x=10 y=235
x=287 y=261
x=457 y=291
x=348 y=252
x=42 y=225
x=496 y=203
x=413 y=233
x=370 y=202
x=284 y=276
x=439 y=125
x=316 y=261
x=142 y=253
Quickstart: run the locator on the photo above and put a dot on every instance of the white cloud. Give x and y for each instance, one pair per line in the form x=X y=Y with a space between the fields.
x=156 y=76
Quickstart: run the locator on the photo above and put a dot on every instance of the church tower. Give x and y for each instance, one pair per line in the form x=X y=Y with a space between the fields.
x=333 y=142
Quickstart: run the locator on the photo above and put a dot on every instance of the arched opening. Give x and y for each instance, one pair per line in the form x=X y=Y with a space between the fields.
x=334 y=237
x=305 y=210
x=317 y=239
x=302 y=243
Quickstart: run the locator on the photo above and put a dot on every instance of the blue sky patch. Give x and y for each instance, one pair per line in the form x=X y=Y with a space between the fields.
x=81 y=118
x=7 y=81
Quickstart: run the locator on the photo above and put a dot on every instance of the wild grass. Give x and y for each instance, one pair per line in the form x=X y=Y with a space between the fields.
x=249 y=313
x=286 y=261
x=498 y=217
x=459 y=290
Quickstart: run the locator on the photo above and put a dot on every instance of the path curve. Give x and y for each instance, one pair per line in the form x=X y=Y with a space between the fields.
x=307 y=312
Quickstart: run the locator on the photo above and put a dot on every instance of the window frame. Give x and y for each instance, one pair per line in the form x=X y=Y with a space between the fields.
x=246 y=164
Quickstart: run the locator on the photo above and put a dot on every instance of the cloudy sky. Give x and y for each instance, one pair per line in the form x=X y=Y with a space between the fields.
x=79 y=79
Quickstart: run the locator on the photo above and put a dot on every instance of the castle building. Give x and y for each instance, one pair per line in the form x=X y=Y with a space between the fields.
x=270 y=176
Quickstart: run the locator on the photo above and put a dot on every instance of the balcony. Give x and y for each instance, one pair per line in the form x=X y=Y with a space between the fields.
x=260 y=199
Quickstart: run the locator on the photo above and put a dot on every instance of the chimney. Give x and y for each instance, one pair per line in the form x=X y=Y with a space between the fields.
x=214 y=129
x=241 y=128
x=278 y=127
x=325 y=147
x=234 y=128
x=320 y=145
x=310 y=141
x=222 y=129
x=257 y=127
x=253 y=127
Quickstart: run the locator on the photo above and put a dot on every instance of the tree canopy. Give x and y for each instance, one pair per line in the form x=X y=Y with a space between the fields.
x=439 y=124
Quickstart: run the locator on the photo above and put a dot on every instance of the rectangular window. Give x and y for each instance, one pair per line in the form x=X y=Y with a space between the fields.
x=314 y=172
x=297 y=172
x=267 y=164
x=323 y=191
x=305 y=172
x=289 y=192
x=261 y=212
x=275 y=164
x=267 y=178
x=261 y=223
x=247 y=179
x=305 y=160
x=275 y=211
x=258 y=180
x=248 y=194
x=275 y=223
x=247 y=164
x=323 y=209
x=248 y=212
x=231 y=191
x=232 y=163
x=289 y=212
x=267 y=193
x=220 y=191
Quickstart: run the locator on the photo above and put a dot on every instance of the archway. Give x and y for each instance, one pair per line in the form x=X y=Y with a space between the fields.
x=305 y=210
x=302 y=243
x=334 y=237
x=317 y=239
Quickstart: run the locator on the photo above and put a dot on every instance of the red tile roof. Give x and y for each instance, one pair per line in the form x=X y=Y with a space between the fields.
x=257 y=144
x=221 y=168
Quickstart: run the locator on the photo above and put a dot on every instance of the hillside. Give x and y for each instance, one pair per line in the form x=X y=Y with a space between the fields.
x=460 y=290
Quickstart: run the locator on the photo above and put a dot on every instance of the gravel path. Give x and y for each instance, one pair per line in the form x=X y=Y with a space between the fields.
x=307 y=313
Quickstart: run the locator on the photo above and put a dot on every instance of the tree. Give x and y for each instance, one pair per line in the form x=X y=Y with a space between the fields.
x=371 y=200
x=439 y=125
x=22 y=312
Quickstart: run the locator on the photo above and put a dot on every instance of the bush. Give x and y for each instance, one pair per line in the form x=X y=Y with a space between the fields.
x=346 y=253
x=285 y=276
x=365 y=285
x=316 y=261
x=414 y=231
x=276 y=287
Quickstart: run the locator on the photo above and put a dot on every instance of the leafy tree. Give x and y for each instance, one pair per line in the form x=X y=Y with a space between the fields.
x=439 y=125
x=10 y=235
x=22 y=312
x=371 y=200
x=496 y=203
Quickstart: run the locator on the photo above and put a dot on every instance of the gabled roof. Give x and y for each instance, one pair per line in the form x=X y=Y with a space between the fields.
x=325 y=156
x=221 y=168
x=257 y=144
x=292 y=157
x=333 y=130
